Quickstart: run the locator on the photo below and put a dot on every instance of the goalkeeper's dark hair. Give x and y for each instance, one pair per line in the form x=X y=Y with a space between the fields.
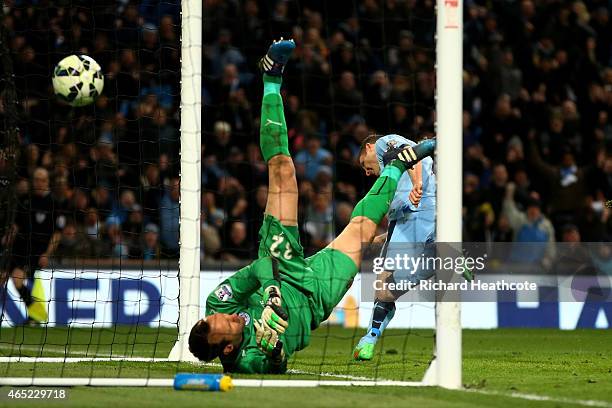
x=199 y=345
x=369 y=139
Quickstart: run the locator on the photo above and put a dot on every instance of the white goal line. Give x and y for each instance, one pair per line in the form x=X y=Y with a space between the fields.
x=259 y=383
x=69 y=356
x=169 y=382
x=536 y=397
x=65 y=355
x=120 y=358
x=36 y=360
x=347 y=378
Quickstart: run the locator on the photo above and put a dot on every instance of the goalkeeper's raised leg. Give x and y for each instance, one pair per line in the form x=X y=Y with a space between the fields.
x=282 y=200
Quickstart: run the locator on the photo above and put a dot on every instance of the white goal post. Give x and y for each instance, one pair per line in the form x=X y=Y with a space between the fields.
x=191 y=175
x=445 y=370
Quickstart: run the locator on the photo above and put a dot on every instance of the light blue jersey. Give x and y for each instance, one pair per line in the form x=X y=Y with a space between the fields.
x=412 y=229
x=401 y=203
x=411 y=232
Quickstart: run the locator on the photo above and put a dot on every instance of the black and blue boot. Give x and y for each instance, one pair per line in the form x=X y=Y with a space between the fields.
x=273 y=63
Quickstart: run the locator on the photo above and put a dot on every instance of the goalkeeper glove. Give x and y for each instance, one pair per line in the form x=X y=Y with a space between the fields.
x=268 y=341
x=410 y=155
x=274 y=317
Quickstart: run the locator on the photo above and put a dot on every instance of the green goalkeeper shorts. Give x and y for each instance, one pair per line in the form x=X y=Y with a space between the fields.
x=324 y=277
x=281 y=242
x=333 y=273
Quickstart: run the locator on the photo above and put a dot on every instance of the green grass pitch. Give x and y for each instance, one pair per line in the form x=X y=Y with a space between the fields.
x=569 y=368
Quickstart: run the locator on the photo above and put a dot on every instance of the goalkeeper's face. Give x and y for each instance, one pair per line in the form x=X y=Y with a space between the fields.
x=220 y=334
x=368 y=161
x=225 y=328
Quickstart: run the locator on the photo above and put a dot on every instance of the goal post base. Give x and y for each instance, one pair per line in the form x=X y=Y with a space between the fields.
x=431 y=374
x=180 y=352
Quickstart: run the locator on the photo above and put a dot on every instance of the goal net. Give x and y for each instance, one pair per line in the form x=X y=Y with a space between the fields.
x=90 y=222
x=120 y=217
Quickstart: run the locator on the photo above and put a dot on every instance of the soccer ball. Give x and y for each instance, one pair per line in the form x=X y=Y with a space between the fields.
x=78 y=80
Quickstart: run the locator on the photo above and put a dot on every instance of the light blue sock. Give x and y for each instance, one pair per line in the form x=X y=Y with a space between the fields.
x=377 y=327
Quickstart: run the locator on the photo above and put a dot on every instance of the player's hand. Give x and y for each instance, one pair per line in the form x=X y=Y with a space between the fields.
x=274 y=317
x=268 y=341
x=416 y=194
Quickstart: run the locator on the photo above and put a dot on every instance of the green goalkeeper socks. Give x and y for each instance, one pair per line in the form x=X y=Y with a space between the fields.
x=376 y=203
x=273 y=138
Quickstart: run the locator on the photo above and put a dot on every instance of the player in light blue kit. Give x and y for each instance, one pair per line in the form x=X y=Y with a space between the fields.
x=412 y=229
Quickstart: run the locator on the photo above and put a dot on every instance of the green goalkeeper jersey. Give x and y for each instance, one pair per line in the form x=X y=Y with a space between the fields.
x=242 y=294
x=310 y=289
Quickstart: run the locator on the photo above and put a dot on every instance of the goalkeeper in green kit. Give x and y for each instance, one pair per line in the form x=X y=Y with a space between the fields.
x=265 y=312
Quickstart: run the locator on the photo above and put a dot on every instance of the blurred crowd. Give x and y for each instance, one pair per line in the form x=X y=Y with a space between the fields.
x=112 y=167
x=537 y=101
